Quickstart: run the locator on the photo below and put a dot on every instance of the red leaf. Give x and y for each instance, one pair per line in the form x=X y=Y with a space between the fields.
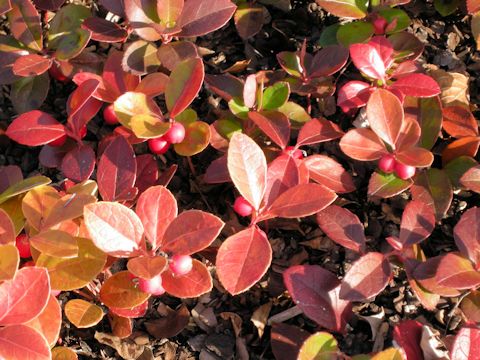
x=408 y=335
x=343 y=227
x=459 y=122
x=25 y=296
x=190 y=232
x=418 y=222
x=117 y=81
x=328 y=61
x=318 y=130
x=425 y=274
x=409 y=134
x=274 y=124
x=35 y=128
x=385 y=115
x=193 y=284
x=50 y=5
x=417 y=85
x=467 y=235
x=116 y=171
x=302 y=200
x=373 y=58
x=114 y=228
x=31 y=65
x=49 y=322
x=286 y=340
x=9 y=175
x=217 y=171
x=243 y=259
x=457 y=272
x=473 y=6
x=23 y=342
x=367 y=277
x=467 y=344
x=249 y=20
x=315 y=291
x=147 y=172
x=225 y=85
x=353 y=94
x=153 y=84
x=104 y=30
x=471 y=179
x=362 y=144
x=466 y=146
x=78 y=164
x=282 y=174
x=415 y=156
x=248 y=168
x=147 y=267
x=329 y=173
x=135 y=312
x=142 y=23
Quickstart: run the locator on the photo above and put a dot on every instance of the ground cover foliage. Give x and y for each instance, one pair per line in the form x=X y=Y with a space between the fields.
x=219 y=179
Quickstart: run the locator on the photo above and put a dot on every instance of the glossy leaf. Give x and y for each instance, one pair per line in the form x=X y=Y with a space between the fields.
x=25 y=24
x=466 y=344
x=120 y=291
x=132 y=313
x=104 y=30
x=31 y=65
x=55 y=243
x=243 y=259
x=170 y=325
x=49 y=322
x=457 y=272
x=290 y=62
x=415 y=156
x=23 y=342
x=29 y=93
x=68 y=207
x=362 y=144
x=196 y=282
x=134 y=103
x=249 y=20
x=142 y=15
x=83 y=314
x=459 y=122
x=318 y=130
x=274 y=124
x=329 y=173
x=9 y=261
x=373 y=58
x=467 y=235
x=63 y=353
x=190 y=232
x=7 y=229
x=9 y=175
x=418 y=222
x=319 y=346
x=425 y=274
x=417 y=85
x=353 y=95
x=470 y=306
x=286 y=340
x=428 y=113
x=387 y=185
x=23 y=186
x=354 y=32
x=78 y=164
x=343 y=227
x=457 y=168
x=466 y=146
x=408 y=334
x=389 y=354
x=283 y=173
x=315 y=290
x=275 y=96
x=367 y=277
x=114 y=228
x=153 y=84
x=49 y=5
x=140 y=58
x=471 y=179
x=147 y=267
x=173 y=53
x=328 y=61
x=344 y=8
x=197 y=138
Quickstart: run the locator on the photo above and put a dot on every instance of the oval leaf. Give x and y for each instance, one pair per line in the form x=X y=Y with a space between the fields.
x=83 y=314
x=193 y=284
x=120 y=291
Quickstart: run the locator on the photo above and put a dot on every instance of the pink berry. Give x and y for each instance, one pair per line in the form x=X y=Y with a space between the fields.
x=151 y=286
x=296 y=154
x=181 y=264
x=387 y=163
x=175 y=134
x=379 y=25
x=23 y=246
x=58 y=142
x=109 y=115
x=242 y=207
x=158 y=145
x=404 y=172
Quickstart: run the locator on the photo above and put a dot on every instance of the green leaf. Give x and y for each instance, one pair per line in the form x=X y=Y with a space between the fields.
x=238 y=108
x=23 y=186
x=275 y=96
x=197 y=138
x=354 y=33
x=403 y=21
x=329 y=35
x=29 y=93
x=319 y=346
x=446 y=7
x=295 y=112
x=457 y=167
x=387 y=185
x=71 y=44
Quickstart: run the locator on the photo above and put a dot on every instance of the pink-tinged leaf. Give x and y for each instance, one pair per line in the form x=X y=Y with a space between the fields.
x=25 y=296
x=250 y=91
x=408 y=334
x=283 y=173
x=318 y=130
x=196 y=282
x=132 y=313
x=249 y=19
x=25 y=24
x=362 y=144
x=248 y=168
x=409 y=134
x=5 y=6
x=353 y=94
x=274 y=124
x=153 y=84
x=9 y=175
x=425 y=275
x=344 y=8
x=433 y=188
x=10 y=259
x=104 y=30
x=49 y=322
x=385 y=115
x=23 y=342
x=116 y=170
x=184 y=84
x=114 y=228
x=467 y=235
x=343 y=227
x=243 y=259
x=50 y=5
x=367 y=277
x=467 y=344
x=156 y=208
x=466 y=146
x=140 y=58
x=147 y=172
x=459 y=122
x=286 y=340
x=329 y=173
x=35 y=128
x=31 y=65
x=415 y=156
x=78 y=164
x=418 y=222
x=473 y=6
x=328 y=61
x=141 y=16
x=117 y=81
x=225 y=85
x=417 y=85
x=168 y=11
x=457 y=272
x=217 y=171
x=290 y=62
x=190 y=232
x=7 y=229
x=373 y=58
x=147 y=267
x=200 y=17
x=316 y=291
x=173 y=53
x=387 y=185
x=302 y=200
x=471 y=179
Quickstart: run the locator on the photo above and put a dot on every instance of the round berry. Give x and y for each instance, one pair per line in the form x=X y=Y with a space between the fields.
x=57 y=74
x=158 y=145
x=379 y=25
x=151 y=286
x=109 y=115
x=23 y=246
x=387 y=163
x=242 y=207
x=296 y=154
x=181 y=264
x=58 y=142
x=175 y=134
x=404 y=172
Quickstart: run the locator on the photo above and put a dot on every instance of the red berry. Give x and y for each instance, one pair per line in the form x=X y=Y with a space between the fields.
x=23 y=246
x=83 y=131
x=57 y=74
x=387 y=163
x=296 y=154
x=58 y=142
x=109 y=115
x=379 y=25
x=181 y=264
x=242 y=207
x=158 y=145
x=404 y=172
x=175 y=134
x=151 y=286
